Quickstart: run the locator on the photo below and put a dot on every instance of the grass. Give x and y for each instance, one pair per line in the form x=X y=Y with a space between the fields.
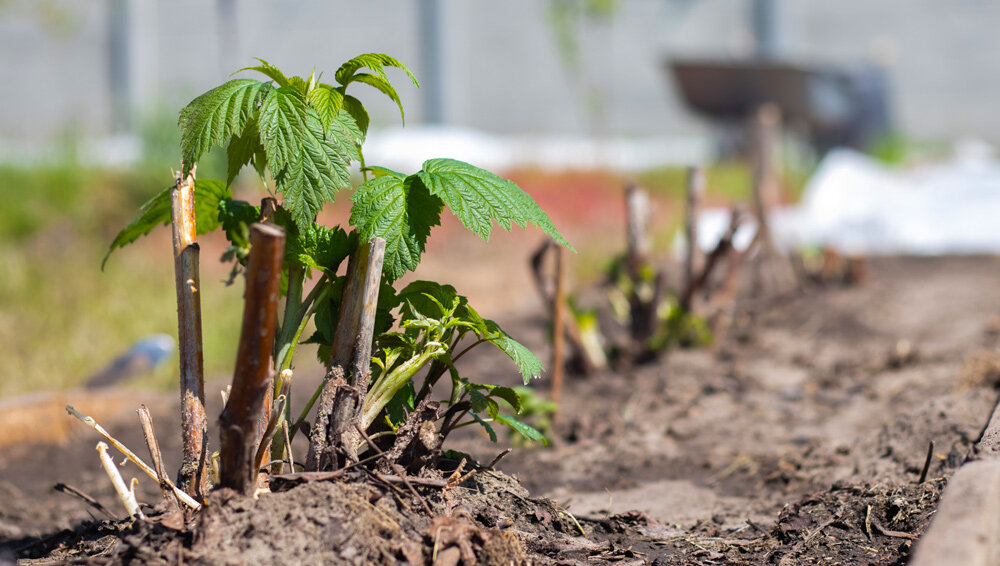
x=61 y=318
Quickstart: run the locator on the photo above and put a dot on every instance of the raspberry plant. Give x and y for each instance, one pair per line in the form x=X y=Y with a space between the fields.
x=302 y=137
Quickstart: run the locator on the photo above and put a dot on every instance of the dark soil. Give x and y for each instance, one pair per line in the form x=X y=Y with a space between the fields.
x=797 y=441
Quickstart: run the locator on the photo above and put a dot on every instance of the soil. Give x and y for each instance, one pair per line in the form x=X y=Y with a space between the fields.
x=798 y=440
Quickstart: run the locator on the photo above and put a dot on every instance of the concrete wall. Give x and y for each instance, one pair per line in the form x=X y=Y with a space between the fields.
x=502 y=71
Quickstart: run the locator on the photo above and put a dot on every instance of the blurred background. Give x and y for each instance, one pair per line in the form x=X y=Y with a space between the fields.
x=887 y=116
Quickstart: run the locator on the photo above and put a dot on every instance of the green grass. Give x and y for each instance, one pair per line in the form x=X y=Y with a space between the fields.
x=61 y=318
x=727 y=182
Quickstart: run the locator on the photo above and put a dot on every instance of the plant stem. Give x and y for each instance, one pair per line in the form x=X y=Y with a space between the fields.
x=361 y=359
x=239 y=419
x=386 y=387
x=350 y=358
x=558 y=330
x=194 y=424
x=694 y=195
x=293 y=314
x=315 y=297
x=298 y=321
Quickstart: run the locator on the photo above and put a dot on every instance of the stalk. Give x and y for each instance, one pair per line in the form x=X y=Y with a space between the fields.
x=284 y=362
x=694 y=196
x=558 y=331
x=238 y=422
x=292 y=317
x=387 y=386
x=194 y=424
x=347 y=372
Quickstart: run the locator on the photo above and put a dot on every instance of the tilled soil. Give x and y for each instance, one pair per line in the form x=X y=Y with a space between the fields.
x=798 y=440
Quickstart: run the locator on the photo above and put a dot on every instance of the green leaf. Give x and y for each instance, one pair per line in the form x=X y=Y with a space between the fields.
x=319 y=247
x=400 y=404
x=207 y=196
x=402 y=212
x=508 y=395
x=357 y=111
x=523 y=429
x=299 y=84
x=486 y=425
x=328 y=310
x=270 y=71
x=242 y=150
x=327 y=103
x=383 y=86
x=377 y=62
x=326 y=316
x=282 y=125
x=526 y=361
x=385 y=171
x=478 y=197
x=479 y=401
x=344 y=133
x=419 y=293
x=315 y=175
x=236 y=216
x=219 y=113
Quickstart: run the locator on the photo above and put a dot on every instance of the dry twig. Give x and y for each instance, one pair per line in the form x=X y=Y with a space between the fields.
x=125 y=495
x=70 y=490
x=146 y=421
x=89 y=421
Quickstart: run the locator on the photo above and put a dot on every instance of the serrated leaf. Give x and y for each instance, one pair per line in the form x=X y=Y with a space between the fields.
x=357 y=111
x=243 y=149
x=526 y=361
x=156 y=211
x=384 y=87
x=219 y=113
x=282 y=125
x=344 y=133
x=478 y=197
x=402 y=212
x=508 y=395
x=314 y=176
x=299 y=84
x=270 y=71
x=327 y=103
x=319 y=247
x=523 y=429
x=377 y=62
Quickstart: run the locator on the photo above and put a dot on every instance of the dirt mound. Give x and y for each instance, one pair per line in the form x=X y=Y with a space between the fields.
x=487 y=519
